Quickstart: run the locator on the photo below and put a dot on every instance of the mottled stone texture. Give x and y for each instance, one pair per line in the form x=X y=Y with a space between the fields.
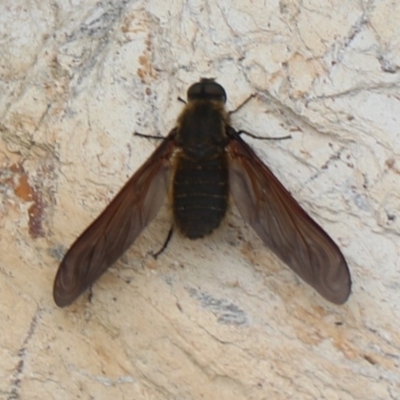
x=219 y=318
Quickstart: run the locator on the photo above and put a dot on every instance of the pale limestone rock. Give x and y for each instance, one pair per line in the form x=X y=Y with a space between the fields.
x=218 y=318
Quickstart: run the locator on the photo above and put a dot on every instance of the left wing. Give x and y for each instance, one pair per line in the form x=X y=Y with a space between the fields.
x=116 y=228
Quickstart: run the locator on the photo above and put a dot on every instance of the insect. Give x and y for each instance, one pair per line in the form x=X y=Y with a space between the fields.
x=204 y=161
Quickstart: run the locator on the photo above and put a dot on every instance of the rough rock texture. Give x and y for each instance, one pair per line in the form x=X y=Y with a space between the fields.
x=219 y=318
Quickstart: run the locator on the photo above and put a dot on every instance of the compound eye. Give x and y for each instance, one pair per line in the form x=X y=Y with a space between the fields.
x=206 y=89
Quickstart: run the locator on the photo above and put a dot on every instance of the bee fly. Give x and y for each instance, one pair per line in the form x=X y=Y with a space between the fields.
x=204 y=161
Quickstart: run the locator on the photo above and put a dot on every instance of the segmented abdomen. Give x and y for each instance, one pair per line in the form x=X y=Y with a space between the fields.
x=200 y=195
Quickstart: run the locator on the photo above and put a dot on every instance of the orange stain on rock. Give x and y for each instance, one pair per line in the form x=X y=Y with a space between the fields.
x=24 y=190
x=27 y=193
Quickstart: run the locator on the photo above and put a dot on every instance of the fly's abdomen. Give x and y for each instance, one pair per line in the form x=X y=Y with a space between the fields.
x=200 y=195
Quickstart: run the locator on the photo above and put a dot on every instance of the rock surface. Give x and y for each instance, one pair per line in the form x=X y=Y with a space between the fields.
x=219 y=318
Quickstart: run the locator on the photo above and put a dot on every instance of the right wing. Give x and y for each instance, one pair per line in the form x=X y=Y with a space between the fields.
x=284 y=226
x=117 y=227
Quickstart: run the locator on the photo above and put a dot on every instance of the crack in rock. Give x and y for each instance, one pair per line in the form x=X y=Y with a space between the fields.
x=19 y=370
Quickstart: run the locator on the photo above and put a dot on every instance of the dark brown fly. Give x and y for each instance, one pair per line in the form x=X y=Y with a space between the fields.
x=206 y=160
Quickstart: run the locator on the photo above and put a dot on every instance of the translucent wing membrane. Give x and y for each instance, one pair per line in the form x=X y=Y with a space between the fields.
x=283 y=225
x=117 y=227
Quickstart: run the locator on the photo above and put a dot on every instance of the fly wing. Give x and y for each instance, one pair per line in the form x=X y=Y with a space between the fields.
x=284 y=226
x=117 y=227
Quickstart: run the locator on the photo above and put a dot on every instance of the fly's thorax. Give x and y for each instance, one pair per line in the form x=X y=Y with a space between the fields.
x=201 y=129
